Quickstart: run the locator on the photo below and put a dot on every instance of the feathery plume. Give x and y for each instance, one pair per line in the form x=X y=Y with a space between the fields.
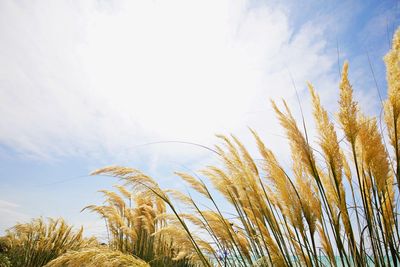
x=348 y=107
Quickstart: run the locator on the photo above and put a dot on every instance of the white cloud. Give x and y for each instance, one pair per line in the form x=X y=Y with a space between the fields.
x=101 y=78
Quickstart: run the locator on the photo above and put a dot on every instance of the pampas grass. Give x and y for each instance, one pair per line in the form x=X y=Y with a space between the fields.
x=40 y=241
x=302 y=216
x=307 y=215
x=93 y=257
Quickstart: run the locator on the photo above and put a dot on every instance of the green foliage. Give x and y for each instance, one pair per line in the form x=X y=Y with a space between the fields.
x=4 y=261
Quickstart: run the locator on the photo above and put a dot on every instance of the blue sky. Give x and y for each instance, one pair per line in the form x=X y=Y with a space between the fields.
x=85 y=85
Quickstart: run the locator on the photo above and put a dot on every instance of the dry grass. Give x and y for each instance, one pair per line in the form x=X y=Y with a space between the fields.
x=308 y=215
x=38 y=242
x=94 y=257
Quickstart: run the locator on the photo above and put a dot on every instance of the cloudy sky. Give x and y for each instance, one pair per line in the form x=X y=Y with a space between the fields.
x=85 y=84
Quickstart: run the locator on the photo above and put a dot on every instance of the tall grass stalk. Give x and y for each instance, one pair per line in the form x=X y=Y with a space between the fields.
x=289 y=217
x=298 y=216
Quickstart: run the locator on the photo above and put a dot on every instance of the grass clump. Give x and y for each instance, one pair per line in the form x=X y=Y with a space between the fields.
x=39 y=241
x=96 y=256
x=137 y=223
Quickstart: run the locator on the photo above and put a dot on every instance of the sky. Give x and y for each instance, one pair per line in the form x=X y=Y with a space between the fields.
x=87 y=84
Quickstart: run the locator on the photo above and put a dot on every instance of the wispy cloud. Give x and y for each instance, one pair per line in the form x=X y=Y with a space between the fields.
x=102 y=78
x=10 y=214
